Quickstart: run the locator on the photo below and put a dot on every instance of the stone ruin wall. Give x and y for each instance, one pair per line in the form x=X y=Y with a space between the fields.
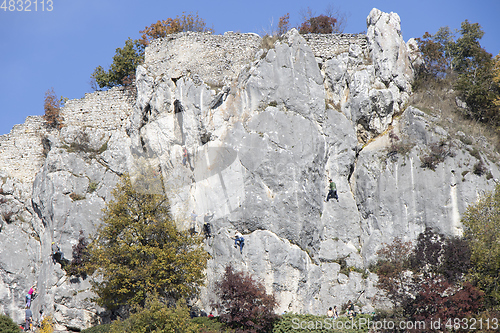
x=103 y=109
x=218 y=59
x=327 y=46
x=215 y=59
x=21 y=151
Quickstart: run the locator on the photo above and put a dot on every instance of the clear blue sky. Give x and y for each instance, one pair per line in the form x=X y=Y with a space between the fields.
x=61 y=48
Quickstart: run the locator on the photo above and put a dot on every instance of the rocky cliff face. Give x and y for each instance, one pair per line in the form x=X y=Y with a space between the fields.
x=264 y=130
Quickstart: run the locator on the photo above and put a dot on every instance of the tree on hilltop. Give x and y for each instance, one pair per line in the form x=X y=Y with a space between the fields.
x=162 y=28
x=333 y=21
x=139 y=253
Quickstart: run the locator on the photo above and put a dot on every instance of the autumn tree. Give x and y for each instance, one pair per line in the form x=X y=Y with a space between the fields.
x=162 y=28
x=392 y=267
x=52 y=107
x=284 y=24
x=333 y=21
x=482 y=231
x=438 y=299
x=437 y=255
x=138 y=252
x=436 y=53
x=243 y=302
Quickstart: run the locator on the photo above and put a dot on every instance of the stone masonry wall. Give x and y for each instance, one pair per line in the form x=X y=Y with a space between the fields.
x=218 y=59
x=103 y=109
x=329 y=45
x=21 y=151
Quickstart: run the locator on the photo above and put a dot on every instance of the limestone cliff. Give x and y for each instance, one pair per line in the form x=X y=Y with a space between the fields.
x=264 y=131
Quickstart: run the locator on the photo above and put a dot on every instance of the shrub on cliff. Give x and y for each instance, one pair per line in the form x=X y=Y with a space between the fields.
x=138 y=252
x=243 y=302
x=52 y=107
x=162 y=28
x=333 y=21
x=79 y=264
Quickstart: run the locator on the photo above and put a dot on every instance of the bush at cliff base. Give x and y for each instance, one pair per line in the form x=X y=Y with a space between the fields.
x=302 y=323
x=7 y=325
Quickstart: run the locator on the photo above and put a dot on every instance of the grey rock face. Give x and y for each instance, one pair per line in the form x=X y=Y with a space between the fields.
x=254 y=142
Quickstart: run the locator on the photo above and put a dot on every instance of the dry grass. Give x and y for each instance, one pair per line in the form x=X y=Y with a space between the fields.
x=438 y=99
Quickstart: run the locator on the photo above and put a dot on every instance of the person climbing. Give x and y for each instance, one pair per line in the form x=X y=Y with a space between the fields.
x=192 y=230
x=56 y=253
x=239 y=241
x=30 y=295
x=41 y=317
x=350 y=309
x=333 y=191
x=28 y=316
x=184 y=156
x=207 y=227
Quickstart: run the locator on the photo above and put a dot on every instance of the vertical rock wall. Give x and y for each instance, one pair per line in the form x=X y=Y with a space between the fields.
x=264 y=131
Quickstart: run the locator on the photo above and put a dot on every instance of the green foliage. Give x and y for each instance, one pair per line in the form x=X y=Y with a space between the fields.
x=7 y=325
x=472 y=69
x=306 y=323
x=243 y=302
x=211 y=325
x=159 y=318
x=92 y=186
x=122 y=70
x=482 y=231
x=104 y=328
x=138 y=251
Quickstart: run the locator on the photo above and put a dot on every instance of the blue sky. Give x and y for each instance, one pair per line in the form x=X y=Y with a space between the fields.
x=61 y=48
